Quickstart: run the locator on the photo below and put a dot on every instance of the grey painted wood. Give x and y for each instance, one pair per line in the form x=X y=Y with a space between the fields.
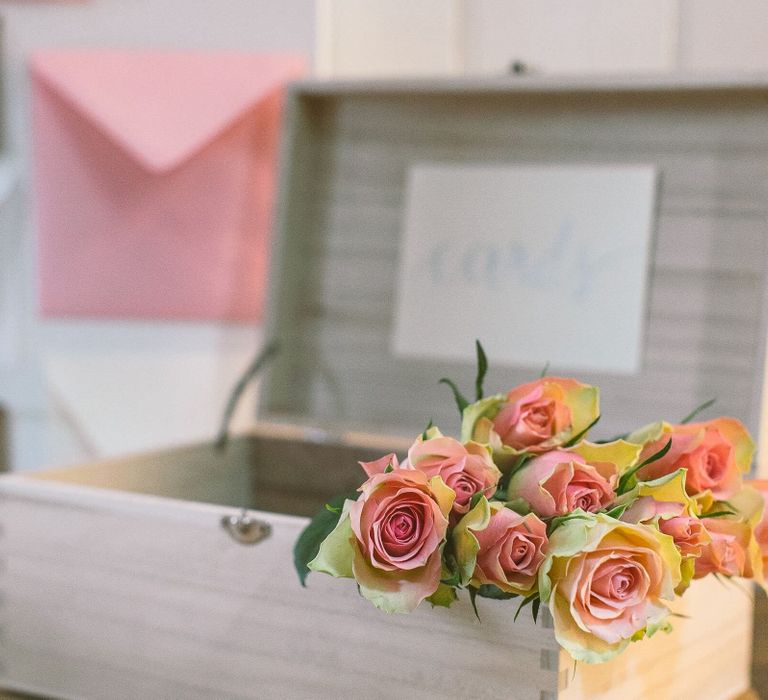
x=347 y=149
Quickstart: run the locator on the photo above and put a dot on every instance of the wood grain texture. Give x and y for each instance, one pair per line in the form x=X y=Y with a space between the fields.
x=346 y=154
x=107 y=593
x=114 y=595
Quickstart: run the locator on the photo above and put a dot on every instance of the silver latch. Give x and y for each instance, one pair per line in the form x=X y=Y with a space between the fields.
x=245 y=529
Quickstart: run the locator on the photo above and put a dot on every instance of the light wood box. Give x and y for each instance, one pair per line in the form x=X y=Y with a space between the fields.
x=117 y=579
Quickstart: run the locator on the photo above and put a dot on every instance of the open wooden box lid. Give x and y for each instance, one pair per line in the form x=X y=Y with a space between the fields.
x=346 y=154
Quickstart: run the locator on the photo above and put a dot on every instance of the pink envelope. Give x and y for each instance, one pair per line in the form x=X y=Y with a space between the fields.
x=154 y=181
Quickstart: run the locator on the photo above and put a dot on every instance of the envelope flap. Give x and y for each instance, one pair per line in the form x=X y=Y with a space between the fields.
x=162 y=107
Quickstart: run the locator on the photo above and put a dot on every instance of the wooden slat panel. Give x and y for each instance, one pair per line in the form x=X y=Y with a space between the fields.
x=106 y=594
x=127 y=596
x=711 y=649
x=334 y=283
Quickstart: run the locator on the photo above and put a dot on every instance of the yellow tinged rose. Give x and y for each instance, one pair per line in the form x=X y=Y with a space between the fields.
x=606 y=583
x=532 y=418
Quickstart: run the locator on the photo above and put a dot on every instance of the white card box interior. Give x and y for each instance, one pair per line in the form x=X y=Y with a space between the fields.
x=117 y=578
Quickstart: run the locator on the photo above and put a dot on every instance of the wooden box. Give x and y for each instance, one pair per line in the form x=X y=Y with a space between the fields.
x=119 y=579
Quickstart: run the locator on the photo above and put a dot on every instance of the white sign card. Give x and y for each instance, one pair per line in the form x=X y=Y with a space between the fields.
x=540 y=263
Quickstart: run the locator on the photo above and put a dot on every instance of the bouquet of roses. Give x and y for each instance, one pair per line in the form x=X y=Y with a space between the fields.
x=524 y=506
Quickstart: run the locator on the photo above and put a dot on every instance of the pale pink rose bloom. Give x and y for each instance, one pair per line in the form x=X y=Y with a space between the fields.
x=467 y=468
x=646 y=509
x=714 y=454
x=512 y=548
x=397 y=521
x=726 y=553
x=531 y=417
x=688 y=532
x=605 y=581
x=559 y=482
x=380 y=465
x=610 y=591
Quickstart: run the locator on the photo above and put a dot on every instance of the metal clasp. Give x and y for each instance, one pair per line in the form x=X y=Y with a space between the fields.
x=245 y=529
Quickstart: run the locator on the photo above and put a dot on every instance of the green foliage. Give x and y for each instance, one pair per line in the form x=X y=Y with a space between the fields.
x=617 y=511
x=519 y=505
x=473 y=600
x=527 y=601
x=627 y=480
x=426 y=430
x=695 y=412
x=535 y=608
x=443 y=597
x=308 y=544
x=488 y=590
x=577 y=438
x=461 y=401
x=555 y=523
x=482 y=368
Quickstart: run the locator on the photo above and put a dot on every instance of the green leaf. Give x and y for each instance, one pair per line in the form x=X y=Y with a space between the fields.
x=451 y=576
x=535 y=609
x=718 y=514
x=389 y=468
x=526 y=601
x=308 y=544
x=473 y=600
x=545 y=370
x=617 y=511
x=482 y=368
x=488 y=590
x=426 y=430
x=625 y=483
x=519 y=506
x=695 y=412
x=475 y=499
x=443 y=597
x=560 y=519
x=461 y=402
x=577 y=438
x=520 y=461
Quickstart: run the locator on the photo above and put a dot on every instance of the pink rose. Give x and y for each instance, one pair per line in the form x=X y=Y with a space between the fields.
x=688 y=532
x=512 y=548
x=605 y=582
x=380 y=465
x=530 y=417
x=715 y=454
x=559 y=482
x=390 y=540
x=466 y=469
x=647 y=509
x=397 y=521
x=533 y=417
x=727 y=552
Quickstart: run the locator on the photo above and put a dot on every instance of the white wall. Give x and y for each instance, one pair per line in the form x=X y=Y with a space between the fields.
x=427 y=37
x=567 y=37
x=82 y=389
x=78 y=389
x=723 y=36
